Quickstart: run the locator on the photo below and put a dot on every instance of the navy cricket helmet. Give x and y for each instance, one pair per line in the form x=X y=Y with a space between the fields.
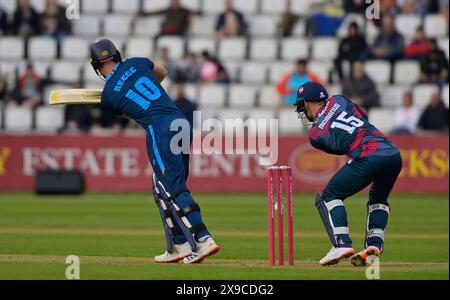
x=101 y=52
x=309 y=92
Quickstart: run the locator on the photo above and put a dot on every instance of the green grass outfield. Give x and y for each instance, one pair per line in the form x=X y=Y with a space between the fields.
x=115 y=235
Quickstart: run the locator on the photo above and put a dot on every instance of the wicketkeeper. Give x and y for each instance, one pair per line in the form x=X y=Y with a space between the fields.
x=133 y=90
x=340 y=127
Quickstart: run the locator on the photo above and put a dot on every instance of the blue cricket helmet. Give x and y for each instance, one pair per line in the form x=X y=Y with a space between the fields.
x=309 y=92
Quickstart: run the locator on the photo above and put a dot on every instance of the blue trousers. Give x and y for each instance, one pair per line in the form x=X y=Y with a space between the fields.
x=172 y=170
x=382 y=173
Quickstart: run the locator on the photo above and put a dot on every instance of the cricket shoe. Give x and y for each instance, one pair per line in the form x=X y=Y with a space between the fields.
x=360 y=258
x=204 y=249
x=335 y=255
x=179 y=252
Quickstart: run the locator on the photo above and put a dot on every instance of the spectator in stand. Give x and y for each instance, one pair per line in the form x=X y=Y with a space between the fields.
x=3 y=89
x=418 y=47
x=361 y=88
x=444 y=11
x=231 y=22
x=163 y=59
x=29 y=89
x=106 y=118
x=288 y=20
x=3 y=22
x=435 y=117
x=176 y=19
x=78 y=118
x=389 y=43
x=186 y=106
x=26 y=21
x=434 y=65
x=355 y=6
x=414 y=7
x=212 y=70
x=327 y=20
x=407 y=116
x=189 y=69
x=289 y=84
x=54 y=21
x=351 y=48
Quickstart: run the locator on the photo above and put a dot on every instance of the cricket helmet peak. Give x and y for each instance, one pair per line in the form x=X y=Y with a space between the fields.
x=102 y=51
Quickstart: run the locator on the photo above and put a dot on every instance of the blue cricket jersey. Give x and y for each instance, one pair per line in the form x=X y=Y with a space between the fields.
x=342 y=128
x=131 y=89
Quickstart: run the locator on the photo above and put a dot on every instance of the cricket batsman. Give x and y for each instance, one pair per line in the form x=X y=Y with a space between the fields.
x=340 y=127
x=133 y=90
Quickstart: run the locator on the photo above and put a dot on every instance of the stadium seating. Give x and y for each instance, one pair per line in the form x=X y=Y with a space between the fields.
x=445 y=95
x=197 y=45
x=379 y=71
x=139 y=47
x=194 y=5
x=233 y=69
x=278 y=70
x=406 y=72
x=213 y=7
x=301 y=7
x=288 y=122
x=435 y=26
x=12 y=48
x=75 y=48
x=263 y=26
x=422 y=94
x=9 y=6
x=383 y=119
x=253 y=73
x=18 y=119
x=274 y=7
x=391 y=96
x=174 y=44
x=212 y=96
x=241 y=96
x=203 y=26
x=99 y=7
x=263 y=49
x=268 y=97
x=42 y=48
x=407 y=24
x=117 y=26
x=294 y=48
x=246 y=7
x=233 y=48
x=87 y=26
x=49 y=119
x=147 y=27
x=125 y=6
x=444 y=45
x=65 y=72
x=324 y=48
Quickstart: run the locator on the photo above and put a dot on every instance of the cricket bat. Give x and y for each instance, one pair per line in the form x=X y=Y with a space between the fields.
x=75 y=96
